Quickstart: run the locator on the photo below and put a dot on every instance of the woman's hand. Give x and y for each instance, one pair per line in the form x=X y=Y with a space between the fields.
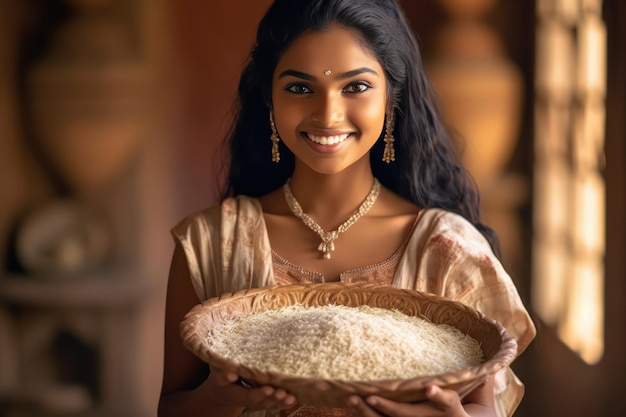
x=439 y=403
x=224 y=389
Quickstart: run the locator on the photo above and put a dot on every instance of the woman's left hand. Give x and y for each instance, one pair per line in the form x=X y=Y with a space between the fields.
x=438 y=403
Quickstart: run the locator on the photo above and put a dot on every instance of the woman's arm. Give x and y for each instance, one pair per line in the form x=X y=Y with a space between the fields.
x=184 y=391
x=188 y=388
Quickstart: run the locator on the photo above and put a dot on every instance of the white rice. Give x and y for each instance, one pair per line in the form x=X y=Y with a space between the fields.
x=345 y=343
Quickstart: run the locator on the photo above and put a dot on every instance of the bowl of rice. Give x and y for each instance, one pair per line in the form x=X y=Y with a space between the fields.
x=325 y=342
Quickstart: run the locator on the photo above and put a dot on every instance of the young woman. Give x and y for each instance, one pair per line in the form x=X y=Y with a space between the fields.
x=340 y=170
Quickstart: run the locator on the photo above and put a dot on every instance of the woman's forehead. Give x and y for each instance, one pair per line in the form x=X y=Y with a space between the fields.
x=336 y=49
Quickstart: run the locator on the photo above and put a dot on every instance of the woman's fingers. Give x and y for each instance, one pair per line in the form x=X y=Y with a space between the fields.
x=358 y=405
x=442 y=399
x=226 y=378
x=384 y=407
x=268 y=398
x=228 y=387
x=439 y=402
x=222 y=378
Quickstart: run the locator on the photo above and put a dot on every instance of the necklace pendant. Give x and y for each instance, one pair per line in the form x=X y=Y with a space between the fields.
x=325 y=248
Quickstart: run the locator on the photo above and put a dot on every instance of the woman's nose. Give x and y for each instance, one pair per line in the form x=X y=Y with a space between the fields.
x=329 y=110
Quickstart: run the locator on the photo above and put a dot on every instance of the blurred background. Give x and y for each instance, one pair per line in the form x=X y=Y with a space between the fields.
x=111 y=112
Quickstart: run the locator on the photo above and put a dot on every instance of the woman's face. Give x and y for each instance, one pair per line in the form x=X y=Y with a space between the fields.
x=329 y=99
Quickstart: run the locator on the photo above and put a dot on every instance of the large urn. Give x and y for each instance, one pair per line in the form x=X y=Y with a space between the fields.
x=86 y=98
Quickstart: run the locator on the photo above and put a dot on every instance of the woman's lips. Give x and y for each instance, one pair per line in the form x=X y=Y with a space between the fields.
x=327 y=139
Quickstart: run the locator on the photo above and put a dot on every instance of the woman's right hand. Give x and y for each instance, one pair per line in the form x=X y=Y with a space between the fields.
x=224 y=389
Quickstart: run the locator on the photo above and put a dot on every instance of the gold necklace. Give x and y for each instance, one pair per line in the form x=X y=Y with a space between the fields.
x=328 y=238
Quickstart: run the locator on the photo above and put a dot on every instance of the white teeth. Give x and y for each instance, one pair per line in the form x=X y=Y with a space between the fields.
x=328 y=140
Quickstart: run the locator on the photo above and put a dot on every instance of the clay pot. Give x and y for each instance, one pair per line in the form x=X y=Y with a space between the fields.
x=481 y=94
x=86 y=99
x=87 y=120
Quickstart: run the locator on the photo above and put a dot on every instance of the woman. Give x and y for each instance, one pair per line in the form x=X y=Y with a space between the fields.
x=340 y=170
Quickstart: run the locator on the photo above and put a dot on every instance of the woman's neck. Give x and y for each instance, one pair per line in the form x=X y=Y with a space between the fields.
x=331 y=198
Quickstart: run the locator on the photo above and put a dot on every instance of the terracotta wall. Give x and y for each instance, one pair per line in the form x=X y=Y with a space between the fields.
x=211 y=43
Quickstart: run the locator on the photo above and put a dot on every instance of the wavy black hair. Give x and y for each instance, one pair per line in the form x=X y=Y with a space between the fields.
x=427 y=169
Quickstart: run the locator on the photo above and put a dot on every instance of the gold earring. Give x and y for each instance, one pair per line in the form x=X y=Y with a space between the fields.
x=389 y=154
x=275 y=139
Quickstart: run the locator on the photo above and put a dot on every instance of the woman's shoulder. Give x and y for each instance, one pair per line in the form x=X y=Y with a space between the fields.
x=446 y=219
x=441 y=224
x=228 y=209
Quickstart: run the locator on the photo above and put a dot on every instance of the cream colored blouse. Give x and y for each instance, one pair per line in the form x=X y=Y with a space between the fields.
x=227 y=249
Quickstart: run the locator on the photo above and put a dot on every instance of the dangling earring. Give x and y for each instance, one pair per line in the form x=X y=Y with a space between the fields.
x=389 y=154
x=275 y=139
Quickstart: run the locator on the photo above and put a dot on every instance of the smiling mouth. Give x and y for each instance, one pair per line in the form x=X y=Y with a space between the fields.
x=328 y=140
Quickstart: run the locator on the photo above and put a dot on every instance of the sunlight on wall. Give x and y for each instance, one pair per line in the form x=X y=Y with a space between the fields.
x=569 y=191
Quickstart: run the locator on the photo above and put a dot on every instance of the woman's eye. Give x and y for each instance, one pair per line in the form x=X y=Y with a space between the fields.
x=299 y=89
x=357 y=87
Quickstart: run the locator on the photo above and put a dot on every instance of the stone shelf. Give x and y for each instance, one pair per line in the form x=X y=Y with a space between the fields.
x=103 y=311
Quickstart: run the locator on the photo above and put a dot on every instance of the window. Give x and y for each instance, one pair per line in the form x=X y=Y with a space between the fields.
x=569 y=190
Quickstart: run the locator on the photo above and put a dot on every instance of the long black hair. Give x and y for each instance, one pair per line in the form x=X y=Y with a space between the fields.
x=427 y=169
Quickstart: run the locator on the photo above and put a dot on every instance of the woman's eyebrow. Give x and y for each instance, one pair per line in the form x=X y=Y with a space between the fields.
x=297 y=74
x=340 y=76
x=355 y=72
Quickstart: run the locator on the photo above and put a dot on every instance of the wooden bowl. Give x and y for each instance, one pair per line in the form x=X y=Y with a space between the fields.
x=499 y=348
